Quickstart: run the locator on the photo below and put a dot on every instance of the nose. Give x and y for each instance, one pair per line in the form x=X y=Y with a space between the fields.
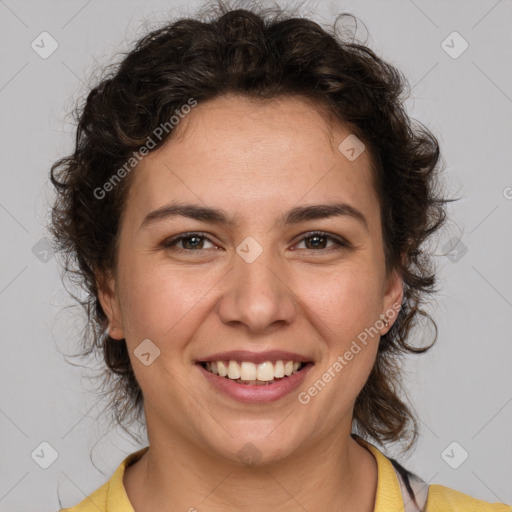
x=257 y=295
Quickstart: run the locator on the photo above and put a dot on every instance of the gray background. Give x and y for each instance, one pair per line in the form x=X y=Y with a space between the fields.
x=461 y=389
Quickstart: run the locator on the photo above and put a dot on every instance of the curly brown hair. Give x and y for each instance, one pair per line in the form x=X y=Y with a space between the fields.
x=263 y=54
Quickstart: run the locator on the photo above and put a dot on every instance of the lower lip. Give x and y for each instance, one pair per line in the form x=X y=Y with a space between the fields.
x=257 y=393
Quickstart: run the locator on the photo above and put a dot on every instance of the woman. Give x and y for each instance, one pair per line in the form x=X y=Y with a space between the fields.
x=246 y=207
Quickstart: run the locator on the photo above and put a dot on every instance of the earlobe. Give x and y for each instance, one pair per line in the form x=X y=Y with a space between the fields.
x=109 y=301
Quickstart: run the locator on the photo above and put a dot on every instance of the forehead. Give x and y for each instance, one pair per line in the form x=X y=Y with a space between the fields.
x=245 y=155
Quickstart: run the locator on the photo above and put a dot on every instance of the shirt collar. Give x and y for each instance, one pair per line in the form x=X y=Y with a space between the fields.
x=117 y=499
x=389 y=494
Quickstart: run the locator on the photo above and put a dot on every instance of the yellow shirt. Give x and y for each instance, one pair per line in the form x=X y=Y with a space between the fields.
x=112 y=497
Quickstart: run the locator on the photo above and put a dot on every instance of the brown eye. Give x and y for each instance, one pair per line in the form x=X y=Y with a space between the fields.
x=188 y=241
x=319 y=240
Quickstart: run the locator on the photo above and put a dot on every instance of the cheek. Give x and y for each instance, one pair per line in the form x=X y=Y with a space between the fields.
x=344 y=310
x=346 y=302
x=158 y=302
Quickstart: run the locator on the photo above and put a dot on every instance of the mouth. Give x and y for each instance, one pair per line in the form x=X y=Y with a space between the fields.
x=255 y=374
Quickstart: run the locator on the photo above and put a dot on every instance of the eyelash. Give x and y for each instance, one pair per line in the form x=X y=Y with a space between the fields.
x=171 y=243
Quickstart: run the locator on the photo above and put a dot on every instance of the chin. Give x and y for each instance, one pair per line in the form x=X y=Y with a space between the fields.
x=255 y=449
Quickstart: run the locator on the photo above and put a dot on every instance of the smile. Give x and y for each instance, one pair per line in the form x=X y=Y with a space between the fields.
x=254 y=382
x=247 y=372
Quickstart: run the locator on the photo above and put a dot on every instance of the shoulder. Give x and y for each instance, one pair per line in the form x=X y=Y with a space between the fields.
x=94 y=502
x=444 y=499
x=111 y=496
x=400 y=489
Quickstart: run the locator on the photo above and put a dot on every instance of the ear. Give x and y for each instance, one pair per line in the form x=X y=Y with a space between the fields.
x=392 y=299
x=109 y=300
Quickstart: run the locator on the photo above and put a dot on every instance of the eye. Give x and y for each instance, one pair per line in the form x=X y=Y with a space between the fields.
x=317 y=240
x=189 y=242
x=195 y=241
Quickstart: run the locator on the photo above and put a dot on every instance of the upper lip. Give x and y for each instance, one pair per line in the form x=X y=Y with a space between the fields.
x=255 y=357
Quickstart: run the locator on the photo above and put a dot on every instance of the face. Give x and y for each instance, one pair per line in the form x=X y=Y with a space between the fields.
x=252 y=283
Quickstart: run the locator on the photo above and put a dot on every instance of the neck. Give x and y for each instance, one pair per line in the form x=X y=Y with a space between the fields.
x=335 y=474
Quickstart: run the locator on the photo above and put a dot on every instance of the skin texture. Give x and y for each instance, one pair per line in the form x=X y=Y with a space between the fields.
x=256 y=161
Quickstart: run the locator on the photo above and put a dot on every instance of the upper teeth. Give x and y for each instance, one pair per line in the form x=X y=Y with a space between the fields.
x=248 y=371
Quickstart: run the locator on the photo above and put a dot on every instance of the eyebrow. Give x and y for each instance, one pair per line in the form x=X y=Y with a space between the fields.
x=217 y=216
